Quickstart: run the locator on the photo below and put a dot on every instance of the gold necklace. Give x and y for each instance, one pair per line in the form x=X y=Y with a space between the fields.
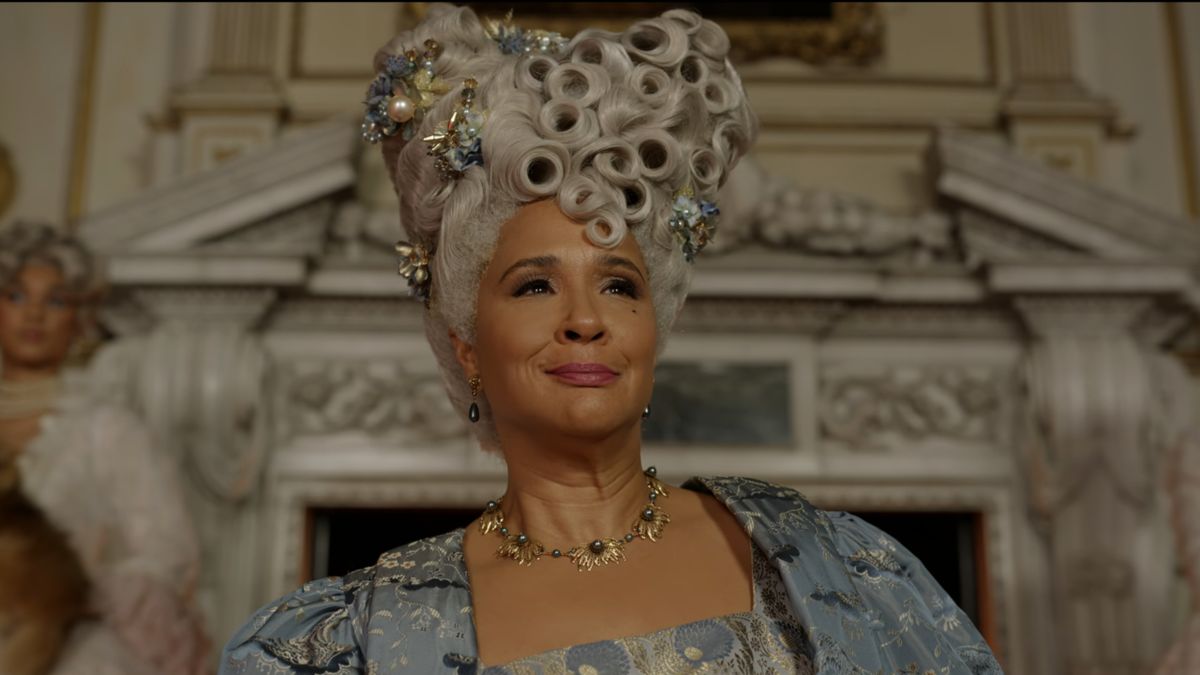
x=525 y=550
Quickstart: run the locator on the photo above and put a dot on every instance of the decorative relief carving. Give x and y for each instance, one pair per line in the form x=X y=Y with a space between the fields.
x=889 y=408
x=398 y=401
x=759 y=208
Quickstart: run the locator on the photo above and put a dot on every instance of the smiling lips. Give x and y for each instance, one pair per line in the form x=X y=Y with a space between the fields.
x=584 y=374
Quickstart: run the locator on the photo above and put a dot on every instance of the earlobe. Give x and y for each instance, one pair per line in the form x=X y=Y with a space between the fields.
x=465 y=353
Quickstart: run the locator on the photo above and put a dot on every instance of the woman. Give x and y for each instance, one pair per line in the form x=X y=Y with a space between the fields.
x=92 y=470
x=523 y=161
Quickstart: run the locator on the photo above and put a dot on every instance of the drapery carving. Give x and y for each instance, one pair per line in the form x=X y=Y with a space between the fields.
x=198 y=378
x=1181 y=439
x=1090 y=459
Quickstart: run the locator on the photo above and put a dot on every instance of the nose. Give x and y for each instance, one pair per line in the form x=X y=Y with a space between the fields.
x=35 y=310
x=582 y=322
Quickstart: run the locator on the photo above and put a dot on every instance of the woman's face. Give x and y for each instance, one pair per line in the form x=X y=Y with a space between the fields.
x=38 y=319
x=565 y=331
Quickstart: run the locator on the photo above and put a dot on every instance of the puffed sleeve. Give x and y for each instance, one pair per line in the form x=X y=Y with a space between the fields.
x=307 y=631
x=898 y=584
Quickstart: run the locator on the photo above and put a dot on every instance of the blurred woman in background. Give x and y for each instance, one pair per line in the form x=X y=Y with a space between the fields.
x=91 y=469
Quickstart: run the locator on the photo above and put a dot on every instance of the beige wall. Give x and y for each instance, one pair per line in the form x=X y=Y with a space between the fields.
x=1123 y=52
x=41 y=46
x=131 y=86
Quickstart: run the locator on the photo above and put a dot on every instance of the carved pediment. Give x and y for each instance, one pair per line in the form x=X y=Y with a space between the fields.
x=264 y=202
x=1003 y=224
x=1017 y=208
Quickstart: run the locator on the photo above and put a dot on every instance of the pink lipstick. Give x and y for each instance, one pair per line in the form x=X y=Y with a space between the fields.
x=584 y=374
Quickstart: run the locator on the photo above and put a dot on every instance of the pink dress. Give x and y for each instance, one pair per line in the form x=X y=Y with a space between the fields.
x=96 y=475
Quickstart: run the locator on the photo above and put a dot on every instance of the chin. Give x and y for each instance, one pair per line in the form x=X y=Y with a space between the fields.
x=598 y=421
x=37 y=358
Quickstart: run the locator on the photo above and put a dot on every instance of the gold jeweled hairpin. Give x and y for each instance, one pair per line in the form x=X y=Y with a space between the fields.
x=458 y=144
x=414 y=266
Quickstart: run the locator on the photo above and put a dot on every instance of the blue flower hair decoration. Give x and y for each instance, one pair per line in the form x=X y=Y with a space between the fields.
x=694 y=222
x=399 y=95
x=515 y=40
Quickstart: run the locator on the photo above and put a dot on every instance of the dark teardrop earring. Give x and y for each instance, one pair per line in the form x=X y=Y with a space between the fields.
x=646 y=412
x=473 y=411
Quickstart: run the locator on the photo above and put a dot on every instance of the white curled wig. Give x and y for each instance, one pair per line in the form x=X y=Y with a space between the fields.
x=612 y=126
x=26 y=243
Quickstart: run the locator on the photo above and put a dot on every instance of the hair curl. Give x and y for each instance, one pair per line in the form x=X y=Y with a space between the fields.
x=612 y=126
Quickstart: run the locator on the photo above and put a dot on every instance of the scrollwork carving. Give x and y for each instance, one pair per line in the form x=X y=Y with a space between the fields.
x=393 y=400
x=759 y=208
x=890 y=408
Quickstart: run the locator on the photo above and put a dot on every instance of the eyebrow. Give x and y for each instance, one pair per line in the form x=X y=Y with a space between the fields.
x=536 y=261
x=544 y=261
x=618 y=261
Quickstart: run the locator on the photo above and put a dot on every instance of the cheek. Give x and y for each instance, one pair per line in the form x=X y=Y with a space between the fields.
x=62 y=326
x=642 y=329
x=508 y=336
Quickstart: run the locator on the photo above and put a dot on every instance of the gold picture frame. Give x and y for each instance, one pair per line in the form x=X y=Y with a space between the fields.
x=852 y=33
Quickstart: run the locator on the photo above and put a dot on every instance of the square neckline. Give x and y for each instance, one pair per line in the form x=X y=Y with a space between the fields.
x=756 y=556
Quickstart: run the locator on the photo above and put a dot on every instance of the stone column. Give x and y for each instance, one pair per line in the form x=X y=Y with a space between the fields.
x=1091 y=463
x=198 y=378
x=227 y=98
x=1049 y=114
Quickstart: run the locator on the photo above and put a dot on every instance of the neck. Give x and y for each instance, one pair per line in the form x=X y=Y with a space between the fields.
x=19 y=373
x=27 y=394
x=572 y=491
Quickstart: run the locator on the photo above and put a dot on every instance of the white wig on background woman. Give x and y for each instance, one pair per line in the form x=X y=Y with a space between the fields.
x=611 y=125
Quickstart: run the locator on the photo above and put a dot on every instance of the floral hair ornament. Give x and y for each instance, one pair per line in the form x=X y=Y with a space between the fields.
x=457 y=145
x=399 y=95
x=414 y=266
x=515 y=40
x=694 y=222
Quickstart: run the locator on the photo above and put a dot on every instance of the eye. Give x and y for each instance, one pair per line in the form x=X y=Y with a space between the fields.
x=533 y=287
x=13 y=295
x=57 y=301
x=620 y=286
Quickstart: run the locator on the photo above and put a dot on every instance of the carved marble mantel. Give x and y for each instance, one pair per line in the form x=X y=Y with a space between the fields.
x=991 y=356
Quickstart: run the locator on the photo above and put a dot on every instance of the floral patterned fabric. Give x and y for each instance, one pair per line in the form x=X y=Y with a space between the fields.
x=845 y=598
x=768 y=639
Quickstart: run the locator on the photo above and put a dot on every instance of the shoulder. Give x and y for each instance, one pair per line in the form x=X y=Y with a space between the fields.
x=323 y=625
x=310 y=628
x=783 y=522
x=836 y=562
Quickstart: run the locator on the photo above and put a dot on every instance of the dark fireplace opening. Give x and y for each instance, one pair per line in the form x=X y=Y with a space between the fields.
x=949 y=544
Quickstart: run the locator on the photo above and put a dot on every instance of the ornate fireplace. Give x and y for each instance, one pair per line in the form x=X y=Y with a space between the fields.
x=966 y=369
